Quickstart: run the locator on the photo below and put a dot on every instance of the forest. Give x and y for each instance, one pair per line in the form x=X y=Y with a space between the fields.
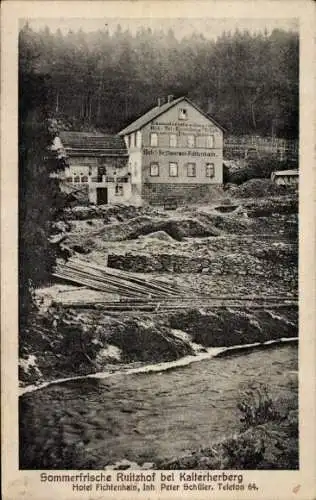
x=249 y=82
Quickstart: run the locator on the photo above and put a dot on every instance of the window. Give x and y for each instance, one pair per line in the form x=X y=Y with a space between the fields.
x=129 y=141
x=191 y=141
x=183 y=114
x=154 y=170
x=84 y=178
x=191 y=170
x=173 y=141
x=118 y=190
x=173 y=170
x=138 y=139
x=69 y=179
x=210 y=141
x=77 y=179
x=209 y=170
x=154 y=139
x=102 y=170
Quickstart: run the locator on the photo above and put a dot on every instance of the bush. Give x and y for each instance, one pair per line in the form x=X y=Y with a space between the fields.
x=292 y=423
x=259 y=168
x=256 y=405
x=245 y=451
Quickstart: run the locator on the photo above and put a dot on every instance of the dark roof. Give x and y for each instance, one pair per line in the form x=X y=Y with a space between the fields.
x=159 y=110
x=88 y=141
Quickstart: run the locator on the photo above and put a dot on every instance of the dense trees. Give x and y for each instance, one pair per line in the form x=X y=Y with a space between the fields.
x=249 y=82
x=39 y=195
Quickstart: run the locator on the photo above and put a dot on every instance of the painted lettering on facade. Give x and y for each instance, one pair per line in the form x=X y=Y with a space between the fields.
x=168 y=152
x=184 y=127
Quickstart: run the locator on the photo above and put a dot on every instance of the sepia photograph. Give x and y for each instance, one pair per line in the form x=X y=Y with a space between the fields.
x=158 y=250
x=158 y=244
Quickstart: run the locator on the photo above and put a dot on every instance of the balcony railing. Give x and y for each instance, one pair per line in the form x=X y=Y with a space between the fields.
x=98 y=179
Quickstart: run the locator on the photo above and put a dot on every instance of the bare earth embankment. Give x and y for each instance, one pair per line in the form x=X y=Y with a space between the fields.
x=237 y=260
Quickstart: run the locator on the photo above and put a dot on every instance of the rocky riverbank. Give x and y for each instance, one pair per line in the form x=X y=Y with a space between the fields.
x=66 y=343
x=155 y=395
x=233 y=247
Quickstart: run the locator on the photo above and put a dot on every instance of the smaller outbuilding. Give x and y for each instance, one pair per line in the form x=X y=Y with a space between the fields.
x=285 y=177
x=98 y=165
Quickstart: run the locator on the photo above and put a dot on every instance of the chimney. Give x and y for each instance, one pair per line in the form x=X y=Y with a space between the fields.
x=170 y=98
x=160 y=101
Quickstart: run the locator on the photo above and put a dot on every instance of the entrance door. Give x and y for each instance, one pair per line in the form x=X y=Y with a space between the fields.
x=102 y=196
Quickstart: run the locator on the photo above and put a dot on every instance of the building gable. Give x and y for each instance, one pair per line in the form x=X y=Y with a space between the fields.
x=159 y=111
x=183 y=118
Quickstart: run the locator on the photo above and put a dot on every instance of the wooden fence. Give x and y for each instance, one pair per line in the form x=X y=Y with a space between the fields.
x=246 y=146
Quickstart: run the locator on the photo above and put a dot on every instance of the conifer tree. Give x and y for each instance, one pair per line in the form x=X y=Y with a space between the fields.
x=39 y=195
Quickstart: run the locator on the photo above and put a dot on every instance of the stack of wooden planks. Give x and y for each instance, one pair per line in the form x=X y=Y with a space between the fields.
x=126 y=291
x=115 y=281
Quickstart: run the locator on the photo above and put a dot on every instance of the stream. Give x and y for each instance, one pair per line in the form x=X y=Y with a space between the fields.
x=93 y=422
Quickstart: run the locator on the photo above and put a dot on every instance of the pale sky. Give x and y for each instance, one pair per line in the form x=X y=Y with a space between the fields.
x=210 y=27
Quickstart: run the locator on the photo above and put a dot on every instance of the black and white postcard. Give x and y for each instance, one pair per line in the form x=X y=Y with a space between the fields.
x=158 y=250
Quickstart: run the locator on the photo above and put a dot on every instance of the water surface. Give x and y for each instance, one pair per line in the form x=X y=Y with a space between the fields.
x=90 y=423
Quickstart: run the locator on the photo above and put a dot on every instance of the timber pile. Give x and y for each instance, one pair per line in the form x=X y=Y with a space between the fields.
x=149 y=294
x=180 y=304
x=114 y=281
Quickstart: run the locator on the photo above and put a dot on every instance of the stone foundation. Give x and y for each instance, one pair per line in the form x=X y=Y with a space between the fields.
x=183 y=193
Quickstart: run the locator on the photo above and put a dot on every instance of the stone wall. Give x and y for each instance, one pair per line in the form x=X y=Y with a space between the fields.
x=157 y=193
x=260 y=265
